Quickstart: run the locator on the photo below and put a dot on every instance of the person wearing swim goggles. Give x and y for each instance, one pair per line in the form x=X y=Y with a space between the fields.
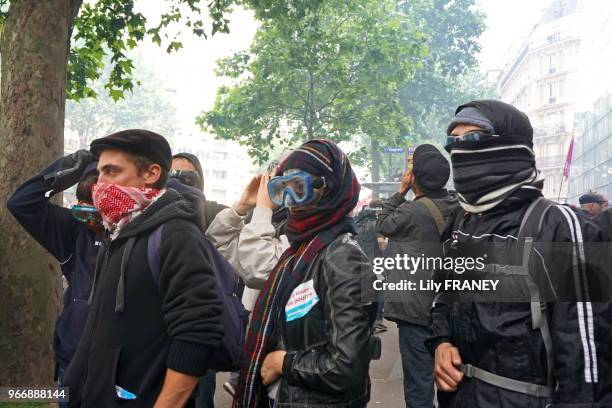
x=295 y=188
x=71 y=236
x=318 y=274
x=84 y=210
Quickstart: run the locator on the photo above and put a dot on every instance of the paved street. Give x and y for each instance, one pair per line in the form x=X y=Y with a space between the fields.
x=386 y=374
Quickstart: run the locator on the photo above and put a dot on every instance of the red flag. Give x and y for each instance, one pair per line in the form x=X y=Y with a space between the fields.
x=568 y=160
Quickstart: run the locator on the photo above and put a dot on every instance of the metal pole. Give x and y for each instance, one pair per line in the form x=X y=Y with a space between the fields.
x=560 y=188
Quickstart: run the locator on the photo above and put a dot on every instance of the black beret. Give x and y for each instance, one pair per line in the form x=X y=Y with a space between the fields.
x=591 y=197
x=430 y=168
x=137 y=141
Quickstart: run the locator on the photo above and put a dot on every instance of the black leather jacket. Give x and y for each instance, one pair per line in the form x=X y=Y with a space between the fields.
x=329 y=348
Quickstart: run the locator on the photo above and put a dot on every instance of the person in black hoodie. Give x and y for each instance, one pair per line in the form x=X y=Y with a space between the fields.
x=72 y=242
x=187 y=172
x=540 y=338
x=187 y=169
x=146 y=340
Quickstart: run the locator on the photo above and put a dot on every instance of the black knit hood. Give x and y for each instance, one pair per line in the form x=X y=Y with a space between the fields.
x=507 y=121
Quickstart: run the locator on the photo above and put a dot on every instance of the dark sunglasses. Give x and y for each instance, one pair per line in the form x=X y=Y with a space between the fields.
x=187 y=177
x=472 y=136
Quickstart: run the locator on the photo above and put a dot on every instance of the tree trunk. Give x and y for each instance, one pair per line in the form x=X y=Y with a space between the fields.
x=34 y=47
x=375 y=154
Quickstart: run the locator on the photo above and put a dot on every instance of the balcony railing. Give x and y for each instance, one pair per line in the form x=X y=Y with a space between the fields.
x=550 y=161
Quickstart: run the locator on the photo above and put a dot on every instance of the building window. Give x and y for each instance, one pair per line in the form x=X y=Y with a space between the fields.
x=219 y=156
x=552 y=92
x=552 y=63
x=560 y=7
x=219 y=174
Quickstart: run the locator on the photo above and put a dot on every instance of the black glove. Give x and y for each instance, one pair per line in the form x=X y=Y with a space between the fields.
x=70 y=170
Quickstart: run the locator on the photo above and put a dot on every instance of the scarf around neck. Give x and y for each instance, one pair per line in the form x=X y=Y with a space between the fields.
x=485 y=173
x=119 y=205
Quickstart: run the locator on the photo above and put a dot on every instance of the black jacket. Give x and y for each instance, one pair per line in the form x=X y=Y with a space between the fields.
x=604 y=222
x=367 y=236
x=498 y=337
x=412 y=230
x=330 y=348
x=206 y=210
x=71 y=242
x=174 y=325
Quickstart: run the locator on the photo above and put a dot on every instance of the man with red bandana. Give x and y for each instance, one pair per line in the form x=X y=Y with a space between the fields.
x=146 y=341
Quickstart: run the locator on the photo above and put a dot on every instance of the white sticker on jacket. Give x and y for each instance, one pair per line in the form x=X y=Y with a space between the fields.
x=302 y=300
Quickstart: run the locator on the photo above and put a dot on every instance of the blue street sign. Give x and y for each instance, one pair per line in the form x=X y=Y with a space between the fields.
x=394 y=150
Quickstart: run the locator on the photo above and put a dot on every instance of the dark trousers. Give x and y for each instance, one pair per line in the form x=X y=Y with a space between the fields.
x=60 y=379
x=206 y=390
x=417 y=364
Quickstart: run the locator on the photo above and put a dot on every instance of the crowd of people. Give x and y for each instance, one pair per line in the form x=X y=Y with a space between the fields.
x=166 y=288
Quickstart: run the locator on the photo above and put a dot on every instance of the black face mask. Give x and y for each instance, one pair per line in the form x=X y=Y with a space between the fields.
x=486 y=172
x=188 y=177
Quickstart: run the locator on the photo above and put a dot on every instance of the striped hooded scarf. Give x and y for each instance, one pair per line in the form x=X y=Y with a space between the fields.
x=487 y=172
x=309 y=232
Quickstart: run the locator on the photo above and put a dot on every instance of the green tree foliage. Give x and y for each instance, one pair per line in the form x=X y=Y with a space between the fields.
x=110 y=28
x=450 y=73
x=146 y=106
x=318 y=69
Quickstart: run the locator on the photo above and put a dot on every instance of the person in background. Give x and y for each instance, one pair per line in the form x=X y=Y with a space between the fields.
x=373 y=244
x=253 y=246
x=309 y=341
x=414 y=228
x=550 y=346
x=72 y=236
x=148 y=338
x=593 y=203
x=187 y=170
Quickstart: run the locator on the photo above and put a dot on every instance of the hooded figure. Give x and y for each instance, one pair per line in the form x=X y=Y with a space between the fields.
x=496 y=164
x=309 y=341
x=190 y=183
x=539 y=338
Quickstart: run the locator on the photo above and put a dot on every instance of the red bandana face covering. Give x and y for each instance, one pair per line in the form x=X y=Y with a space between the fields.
x=118 y=205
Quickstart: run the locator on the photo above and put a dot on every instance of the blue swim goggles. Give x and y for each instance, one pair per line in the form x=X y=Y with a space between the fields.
x=294 y=189
x=85 y=213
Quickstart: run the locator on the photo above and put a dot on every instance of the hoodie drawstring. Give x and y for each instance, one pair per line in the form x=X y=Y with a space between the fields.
x=100 y=260
x=120 y=298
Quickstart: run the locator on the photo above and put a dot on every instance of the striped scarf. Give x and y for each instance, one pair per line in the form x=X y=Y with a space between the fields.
x=486 y=173
x=309 y=232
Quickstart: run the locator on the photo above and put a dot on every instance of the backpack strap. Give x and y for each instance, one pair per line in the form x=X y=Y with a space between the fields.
x=534 y=216
x=536 y=390
x=531 y=224
x=153 y=245
x=435 y=212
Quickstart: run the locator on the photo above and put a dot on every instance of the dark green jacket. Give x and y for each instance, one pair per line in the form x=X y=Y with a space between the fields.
x=411 y=230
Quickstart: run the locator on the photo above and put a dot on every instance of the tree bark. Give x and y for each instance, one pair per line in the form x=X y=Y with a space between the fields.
x=34 y=47
x=375 y=154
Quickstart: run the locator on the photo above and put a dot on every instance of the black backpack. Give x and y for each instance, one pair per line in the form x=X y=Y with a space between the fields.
x=234 y=317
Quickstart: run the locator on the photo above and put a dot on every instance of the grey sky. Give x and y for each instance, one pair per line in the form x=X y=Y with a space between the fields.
x=507 y=22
